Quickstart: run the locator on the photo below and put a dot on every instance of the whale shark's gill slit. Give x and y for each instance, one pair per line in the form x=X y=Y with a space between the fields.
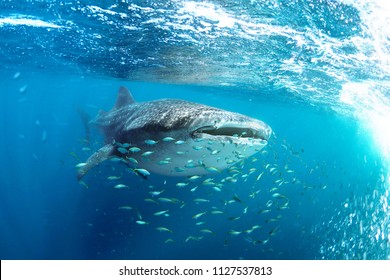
x=232 y=131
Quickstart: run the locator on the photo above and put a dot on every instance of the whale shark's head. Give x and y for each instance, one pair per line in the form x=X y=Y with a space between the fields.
x=233 y=128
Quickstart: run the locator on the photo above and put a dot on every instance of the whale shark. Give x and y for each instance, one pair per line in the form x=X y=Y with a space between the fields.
x=174 y=137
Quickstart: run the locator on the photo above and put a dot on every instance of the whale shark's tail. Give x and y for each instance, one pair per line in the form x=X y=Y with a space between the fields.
x=85 y=118
x=104 y=153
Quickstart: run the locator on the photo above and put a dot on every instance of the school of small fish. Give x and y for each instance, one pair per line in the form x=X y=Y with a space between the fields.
x=246 y=200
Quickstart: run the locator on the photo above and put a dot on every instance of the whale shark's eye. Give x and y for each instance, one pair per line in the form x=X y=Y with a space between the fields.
x=232 y=131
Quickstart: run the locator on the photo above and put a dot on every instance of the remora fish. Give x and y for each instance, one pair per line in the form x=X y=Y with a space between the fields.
x=132 y=122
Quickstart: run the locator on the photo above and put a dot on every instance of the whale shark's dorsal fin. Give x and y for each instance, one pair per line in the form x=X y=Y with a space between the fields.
x=124 y=98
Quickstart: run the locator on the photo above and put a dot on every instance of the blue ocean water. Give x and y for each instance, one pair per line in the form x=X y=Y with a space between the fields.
x=316 y=71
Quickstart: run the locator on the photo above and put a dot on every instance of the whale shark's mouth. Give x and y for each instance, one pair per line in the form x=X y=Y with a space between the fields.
x=232 y=131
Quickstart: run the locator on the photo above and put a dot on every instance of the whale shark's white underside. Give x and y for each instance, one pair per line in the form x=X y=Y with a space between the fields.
x=175 y=137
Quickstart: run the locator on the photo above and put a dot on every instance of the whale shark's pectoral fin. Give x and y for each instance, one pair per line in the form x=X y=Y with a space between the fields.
x=95 y=159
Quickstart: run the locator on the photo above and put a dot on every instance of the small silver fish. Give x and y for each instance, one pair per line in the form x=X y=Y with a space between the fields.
x=262 y=241
x=197 y=216
x=164 y=229
x=271 y=220
x=201 y=200
x=278 y=195
x=151 y=200
x=265 y=211
x=122 y=150
x=274 y=231
x=116 y=159
x=234 y=232
x=161 y=213
x=208 y=183
x=177 y=201
x=163 y=162
x=120 y=186
x=179 y=169
x=237 y=199
x=140 y=222
x=195 y=238
x=126 y=145
x=260 y=175
x=150 y=142
x=273 y=171
x=141 y=171
x=134 y=149
x=80 y=165
x=16 y=75
x=23 y=89
x=212 y=169
x=278 y=181
x=113 y=177
x=168 y=139
x=165 y=199
x=233 y=170
x=125 y=208
x=197 y=148
x=169 y=200
x=231 y=179
x=139 y=214
x=190 y=165
x=156 y=193
x=269 y=203
x=190 y=238
x=132 y=160
x=148 y=153
x=194 y=178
